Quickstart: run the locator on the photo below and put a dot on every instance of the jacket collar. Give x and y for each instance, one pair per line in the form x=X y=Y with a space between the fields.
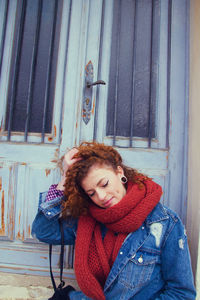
x=158 y=214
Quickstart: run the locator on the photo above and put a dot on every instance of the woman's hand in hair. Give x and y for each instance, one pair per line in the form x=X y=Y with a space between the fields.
x=68 y=161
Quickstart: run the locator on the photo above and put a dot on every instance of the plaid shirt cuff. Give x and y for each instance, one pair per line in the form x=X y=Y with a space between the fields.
x=53 y=193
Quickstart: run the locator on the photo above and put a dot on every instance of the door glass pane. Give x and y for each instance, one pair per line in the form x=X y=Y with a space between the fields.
x=33 y=69
x=133 y=69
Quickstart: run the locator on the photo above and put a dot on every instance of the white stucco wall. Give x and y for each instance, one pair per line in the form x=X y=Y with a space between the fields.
x=193 y=215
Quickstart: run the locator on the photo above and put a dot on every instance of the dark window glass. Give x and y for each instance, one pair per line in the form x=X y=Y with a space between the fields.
x=133 y=69
x=33 y=70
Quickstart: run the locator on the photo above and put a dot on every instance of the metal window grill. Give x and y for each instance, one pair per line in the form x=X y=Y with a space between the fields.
x=27 y=83
x=121 y=112
x=3 y=32
x=113 y=118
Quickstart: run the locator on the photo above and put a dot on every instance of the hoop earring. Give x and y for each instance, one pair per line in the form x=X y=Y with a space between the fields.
x=124 y=179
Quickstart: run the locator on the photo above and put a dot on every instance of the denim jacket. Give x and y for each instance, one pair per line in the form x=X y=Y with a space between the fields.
x=153 y=262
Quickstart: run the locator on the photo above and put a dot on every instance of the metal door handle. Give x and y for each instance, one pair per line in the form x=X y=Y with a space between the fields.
x=87 y=97
x=95 y=83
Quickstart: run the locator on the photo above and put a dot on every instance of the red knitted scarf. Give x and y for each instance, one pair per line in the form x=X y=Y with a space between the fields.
x=95 y=256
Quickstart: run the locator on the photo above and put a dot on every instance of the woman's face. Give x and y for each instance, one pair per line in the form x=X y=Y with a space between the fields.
x=103 y=185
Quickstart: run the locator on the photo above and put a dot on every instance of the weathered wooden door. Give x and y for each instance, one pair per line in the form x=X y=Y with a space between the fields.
x=139 y=49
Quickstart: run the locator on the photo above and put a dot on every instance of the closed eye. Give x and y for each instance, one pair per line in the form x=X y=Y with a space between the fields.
x=106 y=184
x=92 y=194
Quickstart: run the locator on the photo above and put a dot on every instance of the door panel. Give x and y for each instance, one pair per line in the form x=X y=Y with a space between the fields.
x=29 y=167
x=28 y=161
x=163 y=155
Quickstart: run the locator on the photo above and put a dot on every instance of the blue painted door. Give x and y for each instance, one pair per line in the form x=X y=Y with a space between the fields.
x=139 y=48
x=141 y=52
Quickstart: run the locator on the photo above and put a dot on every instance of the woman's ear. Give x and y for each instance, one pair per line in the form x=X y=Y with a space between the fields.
x=120 y=170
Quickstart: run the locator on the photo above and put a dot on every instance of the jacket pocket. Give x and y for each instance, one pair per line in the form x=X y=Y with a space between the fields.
x=138 y=270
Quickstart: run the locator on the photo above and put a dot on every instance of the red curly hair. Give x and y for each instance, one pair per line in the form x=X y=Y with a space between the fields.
x=91 y=153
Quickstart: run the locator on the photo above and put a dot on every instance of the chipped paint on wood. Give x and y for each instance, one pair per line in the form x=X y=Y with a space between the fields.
x=88 y=67
x=2 y=229
x=0 y=183
x=19 y=234
x=11 y=197
x=11 y=220
x=47 y=171
x=1 y=126
x=29 y=230
x=50 y=138
x=93 y=106
x=56 y=156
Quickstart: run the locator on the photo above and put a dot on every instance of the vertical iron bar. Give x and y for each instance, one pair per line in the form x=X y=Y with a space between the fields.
x=168 y=69
x=19 y=38
x=150 y=80
x=49 y=66
x=65 y=63
x=99 y=71
x=133 y=76
x=32 y=70
x=117 y=75
x=3 y=33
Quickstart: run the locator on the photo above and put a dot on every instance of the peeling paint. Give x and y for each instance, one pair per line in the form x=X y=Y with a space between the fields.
x=2 y=229
x=18 y=235
x=11 y=202
x=93 y=107
x=156 y=231
x=86 y=67
x=19 y=218
x=1 y=126
x=50 y=138
x=47 y=171
x=0 y=183
x=11 y=219
x=56 y=156
x=29 y=230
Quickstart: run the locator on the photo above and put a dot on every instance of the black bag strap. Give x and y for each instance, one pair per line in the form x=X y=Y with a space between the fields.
x=62 y=283
x=51 y=273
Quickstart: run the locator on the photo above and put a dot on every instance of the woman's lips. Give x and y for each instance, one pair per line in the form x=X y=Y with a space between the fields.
x=107 y=203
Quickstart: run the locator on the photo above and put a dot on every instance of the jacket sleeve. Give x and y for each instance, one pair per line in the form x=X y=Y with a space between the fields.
x=45 y=226
x=176 y=265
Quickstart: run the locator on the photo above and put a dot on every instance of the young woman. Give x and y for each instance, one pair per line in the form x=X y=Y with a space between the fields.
x=127 y=244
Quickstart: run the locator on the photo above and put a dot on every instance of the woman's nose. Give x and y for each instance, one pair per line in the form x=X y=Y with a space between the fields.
x=101 y=194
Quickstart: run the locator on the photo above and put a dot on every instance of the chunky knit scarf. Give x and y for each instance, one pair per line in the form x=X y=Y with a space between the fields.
x=95 y=256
